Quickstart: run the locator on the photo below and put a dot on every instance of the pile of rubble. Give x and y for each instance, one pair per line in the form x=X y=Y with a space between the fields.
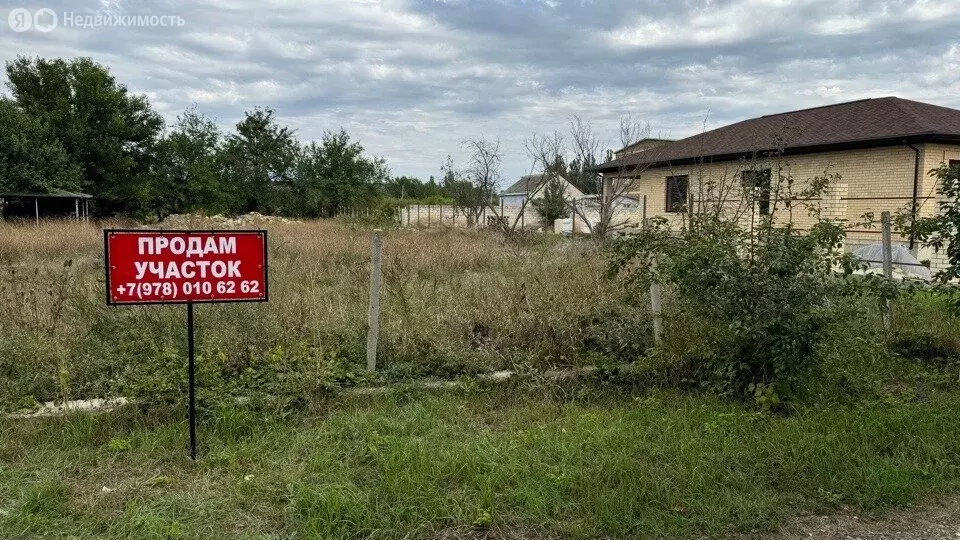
x=183 y=221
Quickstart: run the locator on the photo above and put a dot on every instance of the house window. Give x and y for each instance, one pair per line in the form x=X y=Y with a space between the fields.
x=677 y=190
x=759 y=182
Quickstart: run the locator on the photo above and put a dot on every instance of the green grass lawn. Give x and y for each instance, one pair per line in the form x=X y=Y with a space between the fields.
x=428 y=464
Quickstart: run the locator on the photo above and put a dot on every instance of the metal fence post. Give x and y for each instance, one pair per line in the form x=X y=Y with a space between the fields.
x=373 y=321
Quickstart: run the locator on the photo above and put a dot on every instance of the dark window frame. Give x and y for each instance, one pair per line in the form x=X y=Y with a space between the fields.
x=675 y=199
x=759 y=178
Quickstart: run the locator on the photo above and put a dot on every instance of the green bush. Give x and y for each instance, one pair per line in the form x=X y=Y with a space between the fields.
x=618 y=331
x=748 y=308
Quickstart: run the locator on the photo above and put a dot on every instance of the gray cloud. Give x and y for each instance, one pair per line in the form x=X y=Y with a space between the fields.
x=412 y=78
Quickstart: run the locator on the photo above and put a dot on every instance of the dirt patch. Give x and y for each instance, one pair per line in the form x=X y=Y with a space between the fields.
x=467 y=533
x=937 y=522
x=179 y=221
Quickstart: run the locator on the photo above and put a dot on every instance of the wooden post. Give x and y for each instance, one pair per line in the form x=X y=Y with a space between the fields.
x=887 y=264
x=76 y=208
x=36 y=208
x=373 y=322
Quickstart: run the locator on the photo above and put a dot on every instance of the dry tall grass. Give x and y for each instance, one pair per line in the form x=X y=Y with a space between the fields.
x=454 y=301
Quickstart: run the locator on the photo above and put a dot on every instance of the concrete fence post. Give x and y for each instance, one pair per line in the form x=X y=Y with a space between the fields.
x=373 y=321
x=887 y=264
x=656 y=309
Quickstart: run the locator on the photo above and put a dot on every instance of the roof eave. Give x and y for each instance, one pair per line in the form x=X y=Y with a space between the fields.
x=799 y=150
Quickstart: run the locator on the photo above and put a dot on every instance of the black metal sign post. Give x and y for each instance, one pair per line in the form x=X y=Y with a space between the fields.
x=191 y=369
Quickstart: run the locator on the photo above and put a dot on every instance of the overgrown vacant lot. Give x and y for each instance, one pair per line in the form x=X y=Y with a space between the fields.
x=454 y=302
x=623 y=453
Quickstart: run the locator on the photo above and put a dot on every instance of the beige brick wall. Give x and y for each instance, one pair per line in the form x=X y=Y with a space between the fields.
x=870 y=180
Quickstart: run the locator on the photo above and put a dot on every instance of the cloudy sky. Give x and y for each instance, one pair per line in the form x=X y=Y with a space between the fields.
x=411 y=79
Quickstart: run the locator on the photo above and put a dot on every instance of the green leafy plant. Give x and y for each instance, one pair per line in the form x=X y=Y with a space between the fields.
x=118 y=444
x=553 y=204
x=759 y=291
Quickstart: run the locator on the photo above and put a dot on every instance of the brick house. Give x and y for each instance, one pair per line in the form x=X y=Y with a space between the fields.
x=877 y=152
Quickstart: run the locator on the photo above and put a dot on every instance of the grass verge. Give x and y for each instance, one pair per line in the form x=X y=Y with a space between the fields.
x=422 y=464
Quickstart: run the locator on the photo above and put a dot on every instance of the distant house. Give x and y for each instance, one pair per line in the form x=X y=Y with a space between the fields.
x=877 y=150
x=530 y=187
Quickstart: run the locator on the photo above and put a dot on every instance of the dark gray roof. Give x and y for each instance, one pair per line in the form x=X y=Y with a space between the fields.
x=855 y=124
x=528 y=184
x=646 y=140
x=54 y=194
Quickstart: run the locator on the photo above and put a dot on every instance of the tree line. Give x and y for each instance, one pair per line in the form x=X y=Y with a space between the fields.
x=69 y=125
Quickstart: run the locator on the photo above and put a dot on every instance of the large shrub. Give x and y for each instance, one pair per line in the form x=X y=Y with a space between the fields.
x=748 y=298
x=751 y=308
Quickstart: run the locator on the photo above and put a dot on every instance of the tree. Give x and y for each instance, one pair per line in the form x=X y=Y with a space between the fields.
x=188 y=177
x=483 y=172
x=553 y=203
x=581 y=175
x=258 y=163
x=406 y=187
x=470 y=189
x=335 y=175
x=108 y=133
x=609 y=189
x=29 y=159
x=942 y=230
x=547 y=161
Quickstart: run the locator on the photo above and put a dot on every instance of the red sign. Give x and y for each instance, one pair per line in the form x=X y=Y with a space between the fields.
x=167 y=267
